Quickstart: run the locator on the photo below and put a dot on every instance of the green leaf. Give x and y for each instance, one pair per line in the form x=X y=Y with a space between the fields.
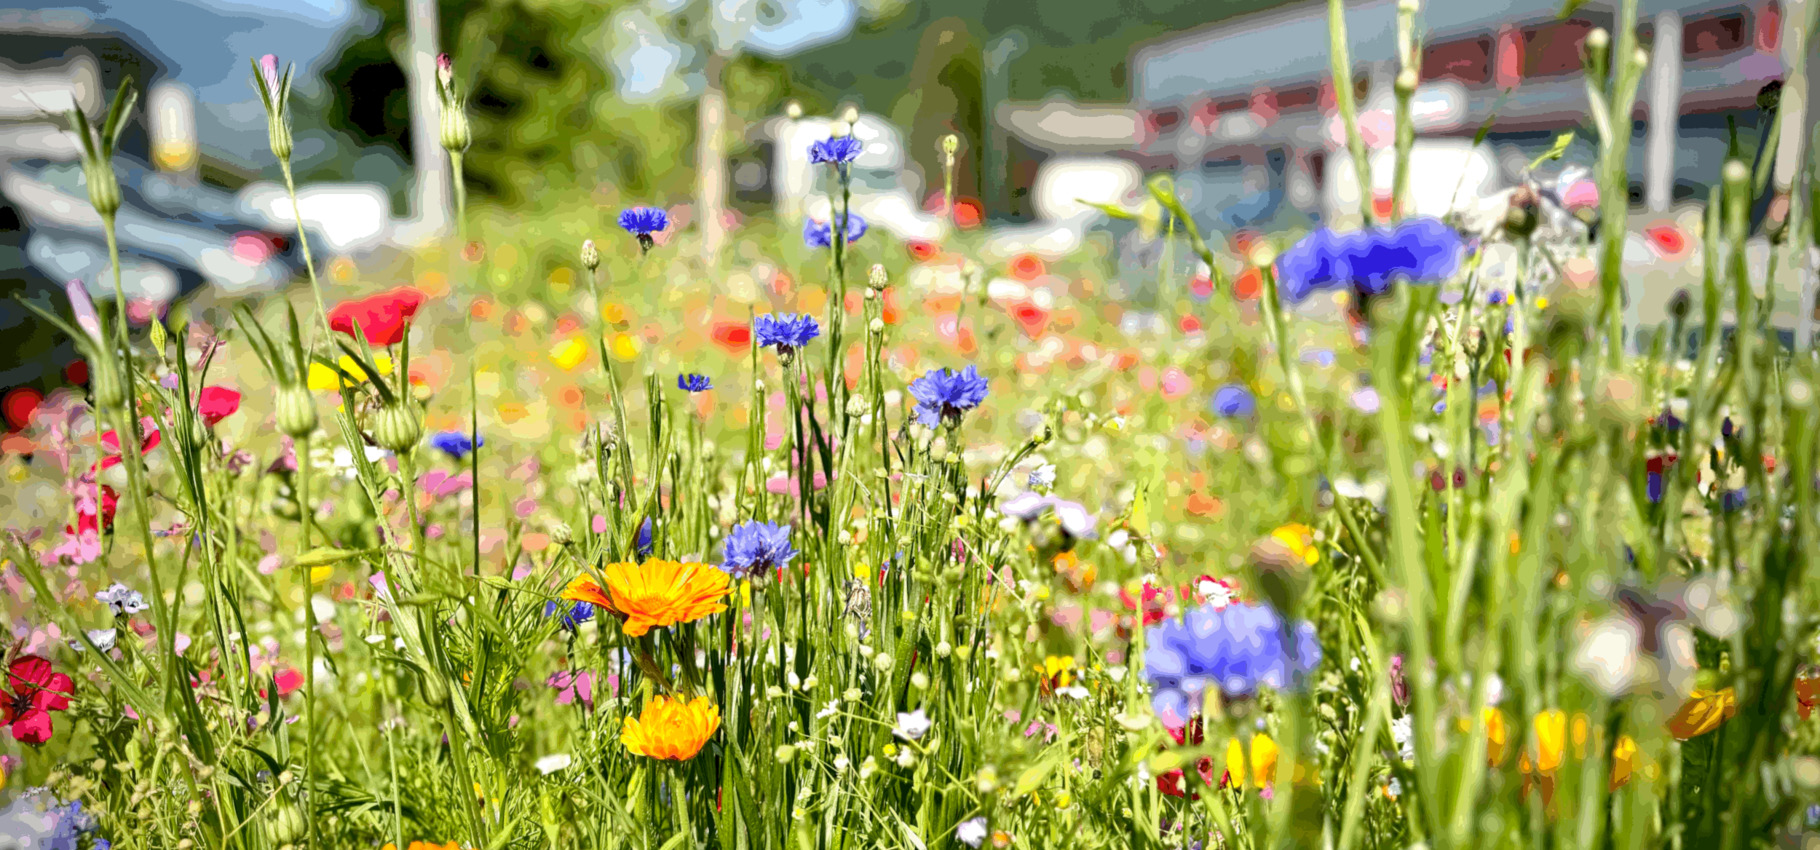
x=1562 y=142
x=323 y=556
x=1113 y=210
x=1033 y=776
x=1568 y=8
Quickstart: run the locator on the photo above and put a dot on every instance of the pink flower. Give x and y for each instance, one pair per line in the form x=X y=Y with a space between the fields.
x=268 y=68
x=214 y=404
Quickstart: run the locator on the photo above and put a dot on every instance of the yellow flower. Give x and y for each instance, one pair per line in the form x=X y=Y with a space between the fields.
x=1623 y=760
x=625 y=346
x=1702 y=713
x=1263 y=762
x=1551 y=739
x=671 y=729
x=1299 y=539
x=569 y=353
x=1057 y=669
x=1497 y=735
x=424 y=845
x=655 y=593
x=323 y=379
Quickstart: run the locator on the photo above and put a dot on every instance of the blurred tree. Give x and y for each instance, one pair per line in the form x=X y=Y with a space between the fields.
x=549 y=117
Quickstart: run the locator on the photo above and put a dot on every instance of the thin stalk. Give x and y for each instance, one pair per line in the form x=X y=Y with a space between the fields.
x=303 y=241
x=1343 y=100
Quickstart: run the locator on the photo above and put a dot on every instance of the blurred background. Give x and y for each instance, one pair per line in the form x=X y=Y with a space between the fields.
x=706 y=107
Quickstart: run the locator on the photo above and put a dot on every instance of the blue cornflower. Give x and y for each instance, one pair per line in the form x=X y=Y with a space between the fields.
x=838 y=150
x=1653 y=486
x=1235 y=649
x=1234 y=401
x=694 y=382
x=1419 y=250
x=820 y=234
x=1733 y=500
x=643 y=543
x=455 y=444
x=575 y=614
x=786 y=332
x=944 y=394
x=642 y=222
x=1495 y=297
x=757 y=547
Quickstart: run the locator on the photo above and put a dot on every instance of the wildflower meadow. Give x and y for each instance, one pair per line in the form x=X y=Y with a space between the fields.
x=1394 y=536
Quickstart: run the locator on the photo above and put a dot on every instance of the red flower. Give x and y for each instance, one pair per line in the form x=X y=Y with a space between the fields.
x=733 y=336
x=110 y=442
x=1027 y=267
x=922 y=251
x=36 y=692
x=214 y=404
x=381 y=317
x=97 y=521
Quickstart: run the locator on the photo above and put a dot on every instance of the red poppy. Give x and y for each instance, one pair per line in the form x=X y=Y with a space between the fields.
x=381 y=318
x=214 y=404
x=37 y=691
x=110 y=442
x=920 y=250
x=733 y=336
x=1027 y=267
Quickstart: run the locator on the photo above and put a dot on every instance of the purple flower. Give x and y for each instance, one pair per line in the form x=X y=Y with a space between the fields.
x=1073 y=517
x=694 y=382
x=785 y=331
x=642 y=222
x=819 y=234
x=838 y=150
x=575 y=614
x=1234 y=401
x=942 y=395
x=455 y=444
x=757 y=547
x=1419 y=250
x=1235 y=649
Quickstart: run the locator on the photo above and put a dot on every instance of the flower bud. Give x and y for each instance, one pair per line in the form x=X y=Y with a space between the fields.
x=876 y=326
x=876 y=277
x=1406 y=82
x=445 y=71
x=1521 y=218
x=561 y=534
x=1597 y=47
x=883 y=662
x=456 y=134
x=397 y=427
x=296 y=411
x=856 y=406
x=793 y=110
x=590 y=255
x=103 y=186
x=278 y=129
x=1679 y=305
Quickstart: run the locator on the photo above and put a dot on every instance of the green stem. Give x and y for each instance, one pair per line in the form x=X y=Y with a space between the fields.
x=303 y=241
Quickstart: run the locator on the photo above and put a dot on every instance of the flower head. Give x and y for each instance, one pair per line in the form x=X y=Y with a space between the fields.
x=820 y=234
x=757 y=547
x=1235 y=649
x=671 y=729
x=694 y=382
x=942 y=395
x=838 y=150
x=1234 y=402
x=214 y=404
x=971 y=832
x=642 y=222
x=573 y=615
x=34 y=691
x=785 y=331
x=381 y=318
x=655 y=593
x=455 y=444
x=1072 y=517
x=912 y=725
x=1419 y=250
x=124 y=600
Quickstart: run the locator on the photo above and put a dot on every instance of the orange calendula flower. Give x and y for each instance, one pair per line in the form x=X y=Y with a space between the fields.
x=671 y=729
x=1702 y=713
x=655 y=593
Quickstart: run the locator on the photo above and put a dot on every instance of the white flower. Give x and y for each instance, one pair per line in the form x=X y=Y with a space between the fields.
x=103 y=639
x=1394 y=787
x=1607 y=654
x=829 y=710
x=124 y=600
x=971 y=832
x=550 y=764
x=912 y=726
x=1402 y=730
x=1043 y=477
x=1218 y=594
